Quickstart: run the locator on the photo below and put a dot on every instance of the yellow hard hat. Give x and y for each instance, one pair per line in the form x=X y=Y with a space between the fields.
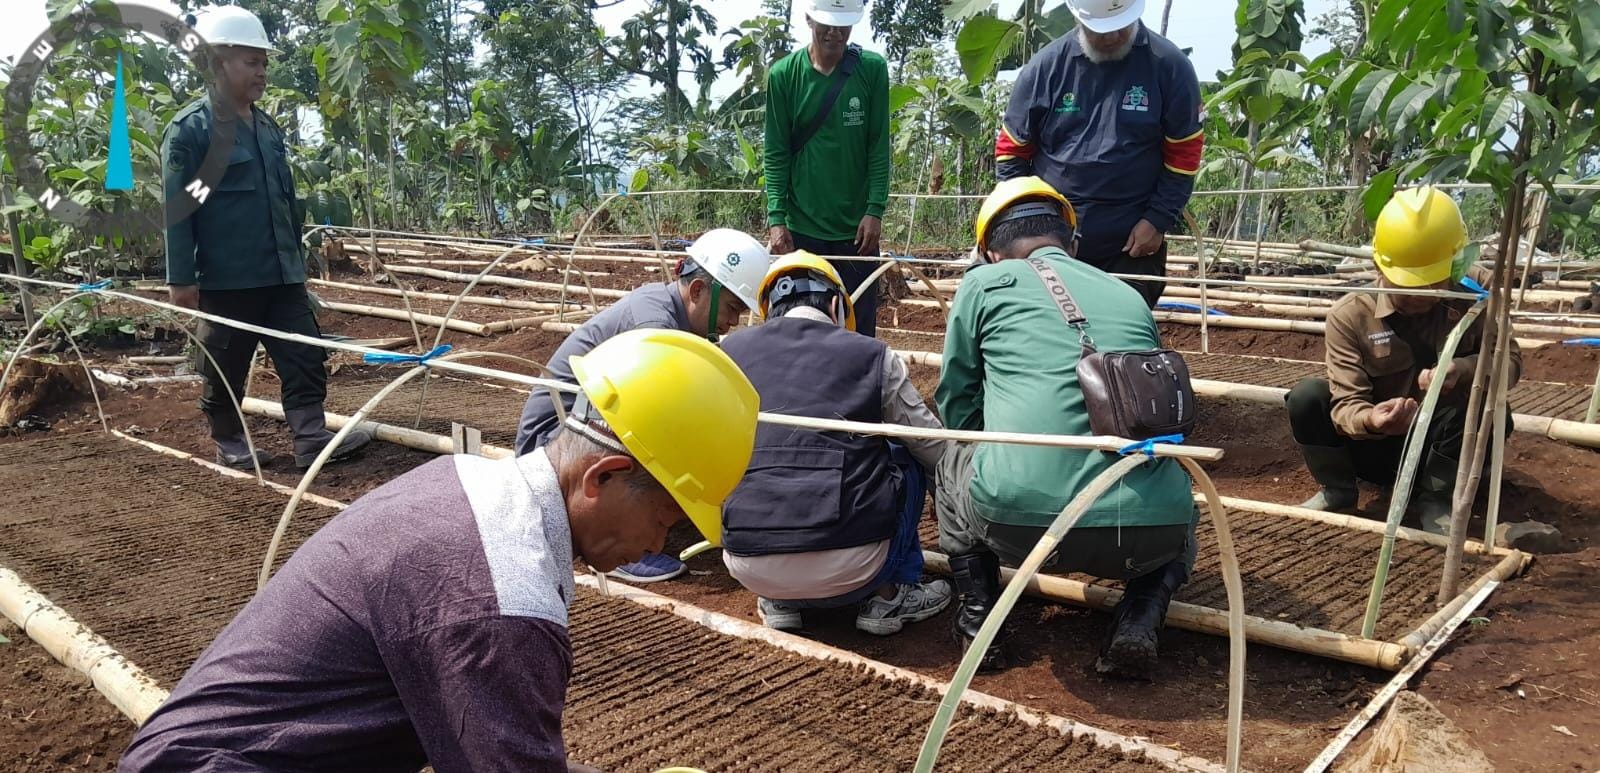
x=1418 y=236
x=804 y=262
x=1015 y=191
x=681 y=408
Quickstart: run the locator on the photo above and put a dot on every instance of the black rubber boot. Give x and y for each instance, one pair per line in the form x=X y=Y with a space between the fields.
x=1334 y=471
x=1133 y=645
x=311 y=435
x=977 y=577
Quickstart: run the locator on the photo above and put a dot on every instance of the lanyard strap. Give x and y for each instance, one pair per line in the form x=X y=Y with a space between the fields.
x=1062 y=297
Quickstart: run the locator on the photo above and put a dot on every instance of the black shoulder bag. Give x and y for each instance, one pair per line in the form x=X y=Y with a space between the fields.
x=841 y=75
x=1135 y=395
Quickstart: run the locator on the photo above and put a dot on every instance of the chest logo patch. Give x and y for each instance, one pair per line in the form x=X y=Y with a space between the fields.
x=1137 y=100
x=1069 y=103
x=853 y=114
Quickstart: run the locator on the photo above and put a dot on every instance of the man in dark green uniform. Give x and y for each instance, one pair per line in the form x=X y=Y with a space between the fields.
x=239 y=254
x=828 y=181
x=1006 y=369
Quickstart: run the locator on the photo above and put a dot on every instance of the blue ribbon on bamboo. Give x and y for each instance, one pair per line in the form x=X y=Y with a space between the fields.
x=94 y=287
x=391 y=358
x=1148 y=447
x=1472 y=284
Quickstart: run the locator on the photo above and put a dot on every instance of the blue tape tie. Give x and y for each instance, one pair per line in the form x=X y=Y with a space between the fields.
x=1472 y=285
x=86 y=287
x=1582 y=342
x=390 y=358
x=533 y=242
x=1179 y=306
x=1148 y=447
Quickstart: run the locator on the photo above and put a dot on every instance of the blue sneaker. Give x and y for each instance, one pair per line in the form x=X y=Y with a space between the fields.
x=654 y=567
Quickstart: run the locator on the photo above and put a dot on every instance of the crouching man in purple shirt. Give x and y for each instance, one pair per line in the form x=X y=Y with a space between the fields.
x=427 y=623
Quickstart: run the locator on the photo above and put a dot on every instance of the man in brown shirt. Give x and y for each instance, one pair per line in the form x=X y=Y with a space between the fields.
x=1383 y=353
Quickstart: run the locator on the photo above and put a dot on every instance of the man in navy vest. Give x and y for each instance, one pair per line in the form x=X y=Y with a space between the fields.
x=829 y=519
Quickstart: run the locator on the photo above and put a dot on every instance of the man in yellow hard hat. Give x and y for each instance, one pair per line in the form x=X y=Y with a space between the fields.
x=427 y=623
x=1382 y=352
x=1010 y=365
x=716 y=283
x=829 y=519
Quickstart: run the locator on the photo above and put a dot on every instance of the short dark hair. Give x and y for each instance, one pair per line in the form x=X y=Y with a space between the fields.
x=819 y=301
x=688 y=271
x=1003 y=234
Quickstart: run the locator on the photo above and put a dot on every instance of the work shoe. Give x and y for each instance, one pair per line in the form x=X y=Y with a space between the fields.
x=977 y=580
x=1332 y=468
x=778 y=615
x=1132 y=647
x=1433 y=511
x=654 y=567
x=911 y=604
x=311 y=435
x=235 y=452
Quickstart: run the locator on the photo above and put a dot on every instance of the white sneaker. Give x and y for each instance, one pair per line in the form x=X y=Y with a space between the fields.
x=912 y=604
x=778 y=615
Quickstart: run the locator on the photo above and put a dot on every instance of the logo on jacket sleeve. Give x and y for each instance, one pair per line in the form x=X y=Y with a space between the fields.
x=1069 y=103
x=1137 y=99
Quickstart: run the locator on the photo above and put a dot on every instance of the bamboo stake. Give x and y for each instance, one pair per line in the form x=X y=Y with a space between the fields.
x=158 y=360
x=799 y=645
x=457 y=325
x=504 y=281
x=1498 y=459
x=1245 y=323
x=1411 y=457
x=389 y=433
x=127 y=687
x=1511 y=564
x=509 y=303
x=1353 y=523
x=1312 y=245
x=1593 y=412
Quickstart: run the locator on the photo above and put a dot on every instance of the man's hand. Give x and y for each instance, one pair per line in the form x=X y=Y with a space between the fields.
x=187 y=296
x=867 y=235
x=1144 y=240
x=1392 y=417
x=779 y=240
x=1452 y=376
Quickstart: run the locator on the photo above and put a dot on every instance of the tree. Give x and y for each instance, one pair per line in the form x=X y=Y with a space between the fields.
x=906 y=26
x=654 y=44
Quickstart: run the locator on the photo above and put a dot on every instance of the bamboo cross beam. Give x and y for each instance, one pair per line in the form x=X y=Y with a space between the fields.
x=504 y=281
x=472 y=299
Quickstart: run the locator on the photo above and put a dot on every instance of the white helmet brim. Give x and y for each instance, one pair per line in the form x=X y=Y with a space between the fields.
x=1105 y=24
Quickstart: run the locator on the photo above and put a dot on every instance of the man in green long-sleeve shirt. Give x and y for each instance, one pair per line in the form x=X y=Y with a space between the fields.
x=826 y=192
x=1010 y=365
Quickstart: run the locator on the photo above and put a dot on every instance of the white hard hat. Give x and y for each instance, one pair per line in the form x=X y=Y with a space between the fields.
x=735 y=259
x=230 y=25
x=836 y=13
x=1106 y=15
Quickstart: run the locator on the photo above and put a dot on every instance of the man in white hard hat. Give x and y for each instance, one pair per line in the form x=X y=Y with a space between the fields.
x=1111 y=116
x=239 y=255
x=716 y=282
x=827 y=150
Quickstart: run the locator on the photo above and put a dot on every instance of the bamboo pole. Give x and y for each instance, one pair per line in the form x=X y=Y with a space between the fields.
x=1593 y=412
x=1576 y=432
x=518 y=323
x=1353 y=523
x=1245 y=323
x=177 y=360
x=508 y=303
x=127 y=687
x=1312 y=245
x=389 y=433
x=457 y=325
x=1252 y=297
x=1190 y=617
x=227 y=472
x=504 y=281
x=799 y=645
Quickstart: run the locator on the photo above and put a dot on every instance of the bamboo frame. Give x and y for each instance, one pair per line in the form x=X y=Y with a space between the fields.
x=479 y=300
x=383 y=312
x=77 y=647
x=505 y=281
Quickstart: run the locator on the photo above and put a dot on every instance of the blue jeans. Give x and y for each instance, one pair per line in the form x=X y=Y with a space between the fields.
x=903 y=564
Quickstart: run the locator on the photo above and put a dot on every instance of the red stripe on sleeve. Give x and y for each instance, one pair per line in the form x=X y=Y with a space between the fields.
x=1007 y=147
x=1183 y=156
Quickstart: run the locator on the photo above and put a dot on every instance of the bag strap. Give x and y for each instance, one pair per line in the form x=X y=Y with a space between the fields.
x=841 y=75
x=1071 y=313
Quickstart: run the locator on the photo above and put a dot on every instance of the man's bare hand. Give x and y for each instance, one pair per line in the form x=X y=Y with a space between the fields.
x=1144 y=240
x=1392 y=417
x=779 y=240
x=1452 y=377
x=187 y=296
x=868 y=234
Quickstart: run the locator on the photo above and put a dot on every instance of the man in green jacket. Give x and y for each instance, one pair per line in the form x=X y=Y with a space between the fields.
x=828 y=181
x=1007 y=369
x=239 y=255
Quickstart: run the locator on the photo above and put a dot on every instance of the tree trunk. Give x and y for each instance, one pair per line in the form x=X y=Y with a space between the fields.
x=669 y=72
x=1245 y=179
x=394 y=191
x=1166 y=15
x=1354 y=229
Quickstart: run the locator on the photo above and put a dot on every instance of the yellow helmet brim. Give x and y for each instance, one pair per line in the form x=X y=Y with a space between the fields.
x=1419 y=276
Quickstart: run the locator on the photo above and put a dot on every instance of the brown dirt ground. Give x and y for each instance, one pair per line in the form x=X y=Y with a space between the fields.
x=1540 y=633
x=51 y=719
